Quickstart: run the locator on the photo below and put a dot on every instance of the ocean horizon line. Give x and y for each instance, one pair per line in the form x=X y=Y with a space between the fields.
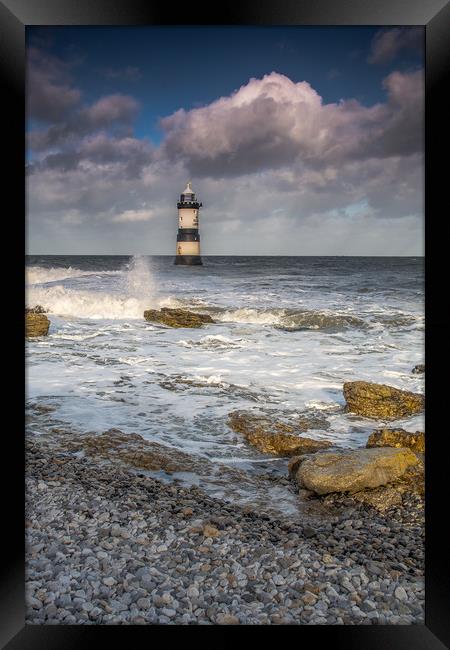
x=209 y=256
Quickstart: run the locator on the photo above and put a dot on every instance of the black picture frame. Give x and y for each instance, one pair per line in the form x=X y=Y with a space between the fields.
x=15 y=15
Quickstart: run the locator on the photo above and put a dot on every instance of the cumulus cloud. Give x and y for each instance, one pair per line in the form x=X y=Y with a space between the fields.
x=50 y=94
x=387 y=43
x=110 y=111
x=272 y=122
x=272 y=159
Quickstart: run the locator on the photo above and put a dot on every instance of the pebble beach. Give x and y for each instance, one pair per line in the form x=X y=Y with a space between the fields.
x=109 y=545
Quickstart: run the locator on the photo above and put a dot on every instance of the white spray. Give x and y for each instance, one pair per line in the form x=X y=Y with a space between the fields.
x=134 y=292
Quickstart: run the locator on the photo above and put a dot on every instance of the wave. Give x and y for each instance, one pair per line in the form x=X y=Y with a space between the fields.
x=400 y=320
x=217 y=342
x=289 y=319
x=62 y=301
x=41 y=275
x=136 y=293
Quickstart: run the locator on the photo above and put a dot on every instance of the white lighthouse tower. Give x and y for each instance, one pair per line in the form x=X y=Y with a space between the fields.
x=188 y=238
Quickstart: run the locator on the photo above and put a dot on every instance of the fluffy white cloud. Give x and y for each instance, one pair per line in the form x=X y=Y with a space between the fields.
x=273 y=122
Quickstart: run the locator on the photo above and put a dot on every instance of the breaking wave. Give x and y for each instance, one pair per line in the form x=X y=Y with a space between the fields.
x=135 y=292
x=62 y=301
x=41 y=275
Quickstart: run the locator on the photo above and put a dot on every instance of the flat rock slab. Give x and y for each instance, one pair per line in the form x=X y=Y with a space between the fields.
x=381 y=401
x=397 y=438
x=177 y=317
x=276 y=437
x=36 y=324
x=352 y=471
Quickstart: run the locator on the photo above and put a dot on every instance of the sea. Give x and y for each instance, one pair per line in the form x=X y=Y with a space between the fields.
x=288 y=332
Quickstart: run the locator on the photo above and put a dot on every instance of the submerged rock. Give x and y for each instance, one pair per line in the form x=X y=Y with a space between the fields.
x=381 y=401
x=419 y=369
x=397 y=438
x=352 y=471
x=36 y=324
x=177 y=317
x=134 y=450
x=275 y=437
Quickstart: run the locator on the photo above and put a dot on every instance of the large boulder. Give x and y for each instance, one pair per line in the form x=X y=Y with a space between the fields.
x=352 y=471
x=36 y=323
x=275 y=437
x=177 y=317
x=397 y=438
x=381 y=401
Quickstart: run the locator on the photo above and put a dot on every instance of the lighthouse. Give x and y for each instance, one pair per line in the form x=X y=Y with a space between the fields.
x=188 y=238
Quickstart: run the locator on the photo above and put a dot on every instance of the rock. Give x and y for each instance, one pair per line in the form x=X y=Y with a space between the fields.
x=352 y=471
x=397 y=438
x=210 y=531
x=294 y=464
x=418 y=369
x=227 y=619
x=309 y=598
x=381 y=401
x=115 y=445
x=177 y=317
x=401 y=594
x=382 y=498
x=109 y=582
x=36 y=324
x=274 y=437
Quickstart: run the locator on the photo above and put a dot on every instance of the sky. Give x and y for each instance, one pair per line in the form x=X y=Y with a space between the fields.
x=297 y=140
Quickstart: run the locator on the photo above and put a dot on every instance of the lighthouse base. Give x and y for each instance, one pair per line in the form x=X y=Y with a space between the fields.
x=188 y=260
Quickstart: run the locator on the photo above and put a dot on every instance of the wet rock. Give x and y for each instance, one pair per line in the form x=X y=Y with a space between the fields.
x=36 y=324
x=418 y=369
x=115 y=445
x=177 y=317
x=37 y=309
x=381 y=401
x=274 y=437
x=397 y=438
x=352 y=471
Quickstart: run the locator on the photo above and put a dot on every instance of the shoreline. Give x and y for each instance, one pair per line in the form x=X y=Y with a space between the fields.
x=106 y=544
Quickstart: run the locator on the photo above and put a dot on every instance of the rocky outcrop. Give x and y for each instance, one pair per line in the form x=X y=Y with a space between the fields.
x=419 y=369
x=36 y=324
x=397 y=438
x=132 y=449
x=352 y=471
x=381 y=401
x=177 y=317
x=275 y=437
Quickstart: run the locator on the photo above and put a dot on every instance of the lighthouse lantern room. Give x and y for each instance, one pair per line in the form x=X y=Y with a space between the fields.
x=188 y=238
